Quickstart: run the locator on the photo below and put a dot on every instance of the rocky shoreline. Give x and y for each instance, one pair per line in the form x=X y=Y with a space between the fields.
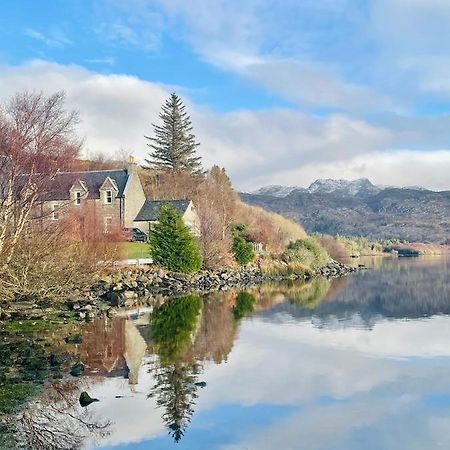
x=150 y=286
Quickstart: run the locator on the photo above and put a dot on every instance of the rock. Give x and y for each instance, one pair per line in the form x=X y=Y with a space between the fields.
x=111 y=313
x=116 y=298
x=77 y=369
x=86 y=399
x=91 y=315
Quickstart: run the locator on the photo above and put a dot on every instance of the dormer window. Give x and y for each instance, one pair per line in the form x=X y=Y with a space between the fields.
x=78 y=198
x=108 y=197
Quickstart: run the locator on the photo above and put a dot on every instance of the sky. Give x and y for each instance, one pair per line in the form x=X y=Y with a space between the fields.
x=279 y=92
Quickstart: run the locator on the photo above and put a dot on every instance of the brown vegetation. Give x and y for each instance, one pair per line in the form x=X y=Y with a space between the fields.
x=219 y=208
x=37 y=257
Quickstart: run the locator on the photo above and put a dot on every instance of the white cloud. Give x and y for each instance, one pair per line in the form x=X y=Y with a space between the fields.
x=396 y=168
x=257 y=147
x=52 y=38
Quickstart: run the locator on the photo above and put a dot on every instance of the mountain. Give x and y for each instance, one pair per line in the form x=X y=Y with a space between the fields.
x=323 y=186
x=344 y=187
x=276 y=190
x=359 y=208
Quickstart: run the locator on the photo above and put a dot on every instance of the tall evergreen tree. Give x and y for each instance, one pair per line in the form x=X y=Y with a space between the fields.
x=172 y=245
x=174 y=145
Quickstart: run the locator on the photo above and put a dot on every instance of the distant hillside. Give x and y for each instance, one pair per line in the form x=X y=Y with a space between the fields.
x=359 y=208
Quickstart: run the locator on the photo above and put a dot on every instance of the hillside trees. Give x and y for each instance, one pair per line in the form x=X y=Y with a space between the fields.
x=173 y=144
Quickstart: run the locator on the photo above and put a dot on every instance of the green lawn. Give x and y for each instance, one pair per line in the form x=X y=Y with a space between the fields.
x=135 y=250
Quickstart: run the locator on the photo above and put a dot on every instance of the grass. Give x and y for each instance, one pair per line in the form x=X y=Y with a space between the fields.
x=13 y=396
x=135 y=250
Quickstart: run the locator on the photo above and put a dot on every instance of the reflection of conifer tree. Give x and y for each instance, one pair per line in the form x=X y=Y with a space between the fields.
x=176 y=392
x=173 y=326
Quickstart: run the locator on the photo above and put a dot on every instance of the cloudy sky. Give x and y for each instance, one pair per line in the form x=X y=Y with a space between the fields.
x=280 y=92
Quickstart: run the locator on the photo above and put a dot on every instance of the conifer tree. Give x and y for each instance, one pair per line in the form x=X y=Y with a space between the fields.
x=171 y=243
x=174 y=145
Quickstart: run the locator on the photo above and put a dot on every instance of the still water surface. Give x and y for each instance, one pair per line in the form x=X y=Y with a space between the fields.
x=359 y=362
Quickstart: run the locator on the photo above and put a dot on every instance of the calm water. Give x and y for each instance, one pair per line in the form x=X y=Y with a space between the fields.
x=361 y=362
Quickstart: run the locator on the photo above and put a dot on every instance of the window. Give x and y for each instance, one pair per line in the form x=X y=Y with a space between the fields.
x=55 y=212
x=108 y=224
x=108 y=197
x=78 y=198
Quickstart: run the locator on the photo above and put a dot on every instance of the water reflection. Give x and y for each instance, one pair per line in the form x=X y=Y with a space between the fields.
x=324 y=365
x=173 y=327
x=56 y=420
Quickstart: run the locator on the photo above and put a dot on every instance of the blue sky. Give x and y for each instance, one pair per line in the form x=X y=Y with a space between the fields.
x=279 y=92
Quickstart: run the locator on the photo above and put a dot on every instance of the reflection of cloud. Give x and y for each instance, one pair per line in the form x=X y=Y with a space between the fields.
x=341 y=381
x=134 y=417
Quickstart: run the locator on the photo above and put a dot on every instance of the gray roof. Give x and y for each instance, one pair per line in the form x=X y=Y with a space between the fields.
x=149 y=212
x=59 y=186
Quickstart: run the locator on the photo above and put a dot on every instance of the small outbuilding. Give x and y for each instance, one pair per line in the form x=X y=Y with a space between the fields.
x=148 y=215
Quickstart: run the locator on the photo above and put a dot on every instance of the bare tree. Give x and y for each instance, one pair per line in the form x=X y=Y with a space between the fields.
x=55 y=420
x=37 y=138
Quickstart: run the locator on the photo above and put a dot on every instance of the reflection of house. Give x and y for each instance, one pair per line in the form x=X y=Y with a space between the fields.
x=113 y=348
x=114 y=197
x=135 y=350
x=103 y=348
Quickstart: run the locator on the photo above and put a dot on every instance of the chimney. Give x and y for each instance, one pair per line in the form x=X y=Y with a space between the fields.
x=132 y=164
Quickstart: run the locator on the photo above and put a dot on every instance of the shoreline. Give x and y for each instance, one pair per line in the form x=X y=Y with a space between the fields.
x=149 y=286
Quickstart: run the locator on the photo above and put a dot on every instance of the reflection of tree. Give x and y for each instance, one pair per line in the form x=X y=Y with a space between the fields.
x=217 y=330
x=56 y=421
x=244 y=305
x=309 y=294
x=176 y=392
x=173 y=326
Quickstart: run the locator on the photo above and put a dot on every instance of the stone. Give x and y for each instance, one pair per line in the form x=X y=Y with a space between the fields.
x=85 y=399
x=77 y=369
x=111 y=313
x=116 y=298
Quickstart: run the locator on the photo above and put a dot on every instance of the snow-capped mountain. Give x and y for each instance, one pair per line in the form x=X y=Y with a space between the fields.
x=323 y=186
x=355 y=187
x=277 y=190
x=360 y=208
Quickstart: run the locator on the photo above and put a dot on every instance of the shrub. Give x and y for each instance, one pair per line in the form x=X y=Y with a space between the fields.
x=242 y=249
x=171 y=243
x=307 y=252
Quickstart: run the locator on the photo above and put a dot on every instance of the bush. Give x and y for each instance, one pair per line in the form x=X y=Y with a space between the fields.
x=242 y=249
x=171 y=243
x=307 y=252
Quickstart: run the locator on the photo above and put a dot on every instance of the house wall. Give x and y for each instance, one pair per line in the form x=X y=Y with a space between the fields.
x=191 y=219
x=96 y=208
x=134 y=197
x=143 y=226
